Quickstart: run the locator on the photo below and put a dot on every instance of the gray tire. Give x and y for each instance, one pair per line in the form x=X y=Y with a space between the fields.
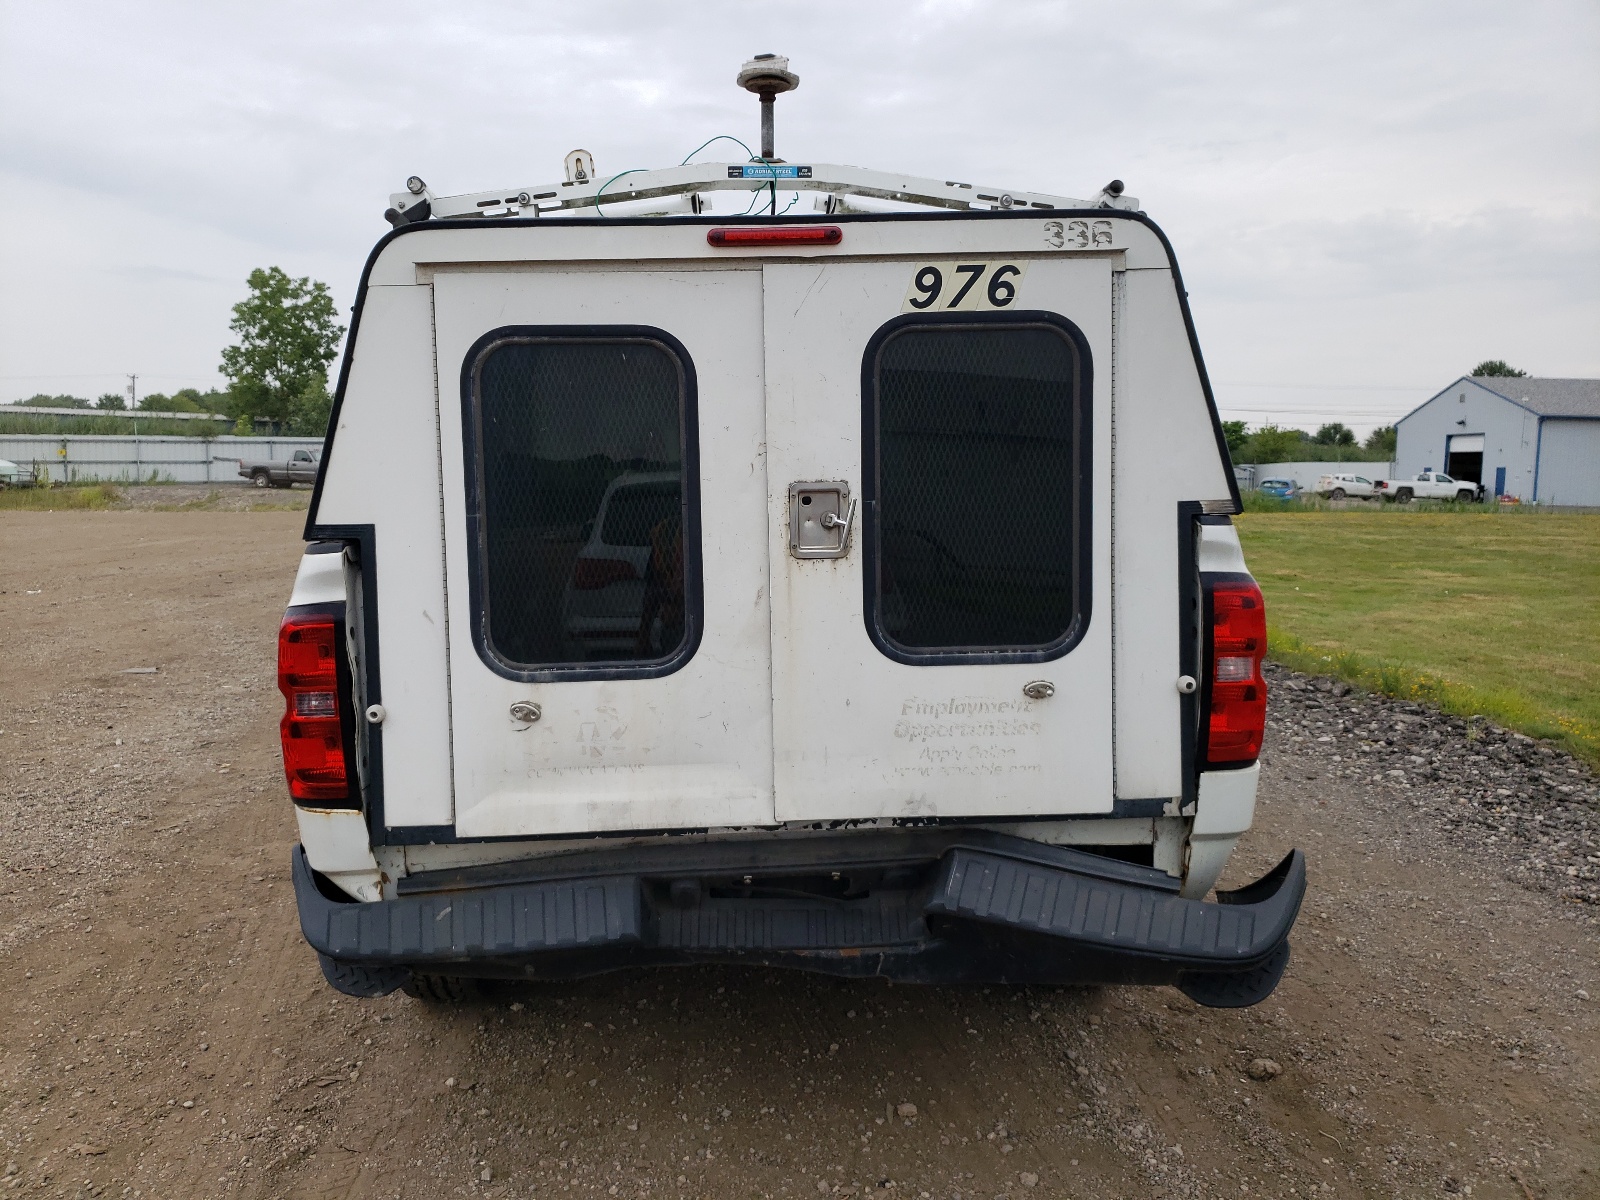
x=1466 y=496
x=355 y=980
x=1403 y=496
x=1336 y=494
x=442 y=989
x=261 y=479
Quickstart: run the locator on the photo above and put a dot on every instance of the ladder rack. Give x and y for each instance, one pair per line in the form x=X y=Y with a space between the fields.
x=585 y=198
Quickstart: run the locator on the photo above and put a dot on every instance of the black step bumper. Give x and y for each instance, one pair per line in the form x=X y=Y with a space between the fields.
x=1001 y=911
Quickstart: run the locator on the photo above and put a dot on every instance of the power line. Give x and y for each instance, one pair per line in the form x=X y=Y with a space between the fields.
x=111 y=375
x=1312 y=412
x=1332 y=387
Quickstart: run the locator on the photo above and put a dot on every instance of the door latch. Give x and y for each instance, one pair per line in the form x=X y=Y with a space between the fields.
x=820 y=516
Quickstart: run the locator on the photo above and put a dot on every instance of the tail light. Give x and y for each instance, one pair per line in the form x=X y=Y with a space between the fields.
x=1236 y=642
x=592 y=574
x=312 y=725
x=777 y=235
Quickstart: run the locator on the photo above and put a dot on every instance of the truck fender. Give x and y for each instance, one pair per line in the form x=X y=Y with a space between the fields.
x=1224 y=810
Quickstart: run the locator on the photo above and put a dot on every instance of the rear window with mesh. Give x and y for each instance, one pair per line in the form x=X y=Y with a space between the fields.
x=976 y=478
x=636 y=509
x=582 y=530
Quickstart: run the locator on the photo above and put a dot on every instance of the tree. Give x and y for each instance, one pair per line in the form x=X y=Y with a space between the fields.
x=194 y=400
x=1334 y=434
x=1381 y=441
x=287 y=337
x=1498 y=366
x=309 y=414
x=1270 y=444
x=115 y=401
x=1235 y=432
x=40 y=400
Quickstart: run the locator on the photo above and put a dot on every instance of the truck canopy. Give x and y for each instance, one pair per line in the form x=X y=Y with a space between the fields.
x=691 y=523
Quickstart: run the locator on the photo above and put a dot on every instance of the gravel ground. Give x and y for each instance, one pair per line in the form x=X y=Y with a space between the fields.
x=211 y=497
x=167 y=1032
x=1533 y=809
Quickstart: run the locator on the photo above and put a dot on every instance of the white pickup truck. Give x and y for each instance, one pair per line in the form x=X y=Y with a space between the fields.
x=688 y=583
x=1430 y=485
x=1339 y=487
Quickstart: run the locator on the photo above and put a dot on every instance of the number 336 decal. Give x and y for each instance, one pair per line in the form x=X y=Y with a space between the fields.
x=963 y=286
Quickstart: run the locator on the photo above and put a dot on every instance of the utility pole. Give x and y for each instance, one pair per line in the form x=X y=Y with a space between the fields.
x=133 y=405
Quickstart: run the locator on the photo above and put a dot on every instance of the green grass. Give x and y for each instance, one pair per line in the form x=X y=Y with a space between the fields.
x=1476 y=612
x=1255 y=502
x=56 y=499
x=64 y=497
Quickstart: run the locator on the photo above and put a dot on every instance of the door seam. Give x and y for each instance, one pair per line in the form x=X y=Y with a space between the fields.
x=444 y=565
x=769 y=552
x=1118 y=278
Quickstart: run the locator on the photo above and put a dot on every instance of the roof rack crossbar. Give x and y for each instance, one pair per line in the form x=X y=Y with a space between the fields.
x=570 y=198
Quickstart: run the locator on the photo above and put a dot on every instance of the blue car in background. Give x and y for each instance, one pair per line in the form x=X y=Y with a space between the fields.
x=1282 y=489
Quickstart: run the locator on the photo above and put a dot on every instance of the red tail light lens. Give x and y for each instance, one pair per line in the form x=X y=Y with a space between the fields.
x=592 y=574
x=308 y=677
x=1238 y=717
x=778 y=235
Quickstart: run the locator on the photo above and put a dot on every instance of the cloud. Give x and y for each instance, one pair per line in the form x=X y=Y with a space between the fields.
x=1321 y=169
x=1403 y=253
x=155 y=273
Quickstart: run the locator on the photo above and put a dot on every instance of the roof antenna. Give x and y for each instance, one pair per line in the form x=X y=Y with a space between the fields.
x=768 y=76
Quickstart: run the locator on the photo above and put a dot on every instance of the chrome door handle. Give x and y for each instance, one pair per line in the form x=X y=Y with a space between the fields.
x=835 y=521
x=816 y=530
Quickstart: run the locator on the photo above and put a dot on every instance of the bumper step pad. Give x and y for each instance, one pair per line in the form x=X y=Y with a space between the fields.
x=979 y=916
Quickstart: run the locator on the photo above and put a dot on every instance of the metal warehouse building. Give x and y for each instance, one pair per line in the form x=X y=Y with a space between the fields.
x=1536 y=439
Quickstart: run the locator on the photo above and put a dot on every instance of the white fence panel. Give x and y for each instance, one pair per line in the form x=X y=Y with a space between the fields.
x=118 y=459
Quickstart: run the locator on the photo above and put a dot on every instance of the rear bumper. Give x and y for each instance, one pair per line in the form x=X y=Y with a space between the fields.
x=1002 y=911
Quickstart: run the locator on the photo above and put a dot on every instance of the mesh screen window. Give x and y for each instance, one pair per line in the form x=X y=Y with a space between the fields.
x=583 y=522
x=976 y=476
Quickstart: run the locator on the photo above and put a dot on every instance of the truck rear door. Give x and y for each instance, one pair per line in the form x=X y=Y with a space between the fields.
x=605 y=509
x=743 y=541
x=949 y=653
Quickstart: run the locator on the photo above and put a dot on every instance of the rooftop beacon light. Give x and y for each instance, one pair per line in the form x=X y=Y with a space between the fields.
x=768 y=76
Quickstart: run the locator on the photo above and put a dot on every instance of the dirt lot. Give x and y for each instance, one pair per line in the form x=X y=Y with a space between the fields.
x=167 y=1032
x=211 y=497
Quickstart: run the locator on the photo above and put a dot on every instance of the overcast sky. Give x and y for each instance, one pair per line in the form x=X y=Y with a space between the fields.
x=1366 y=198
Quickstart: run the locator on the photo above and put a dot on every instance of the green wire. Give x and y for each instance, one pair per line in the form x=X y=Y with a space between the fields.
x=609 y=182
x=755 y=196
x=720 y=137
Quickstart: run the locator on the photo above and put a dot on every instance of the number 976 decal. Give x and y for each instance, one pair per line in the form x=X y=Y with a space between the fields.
x=963 y=286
